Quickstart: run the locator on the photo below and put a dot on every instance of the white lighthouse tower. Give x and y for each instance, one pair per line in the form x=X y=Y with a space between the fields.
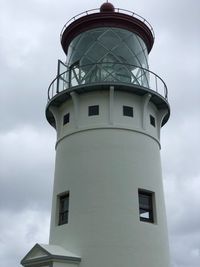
x=108 y=109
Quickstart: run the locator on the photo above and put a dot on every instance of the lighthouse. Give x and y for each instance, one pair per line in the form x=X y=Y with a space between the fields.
x=107 y=108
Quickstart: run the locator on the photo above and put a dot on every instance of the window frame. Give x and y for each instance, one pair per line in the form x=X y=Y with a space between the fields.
x=66 y=118
x=152 y=120
x=128 y=111
x=72 y=70
x=62 y=211
x=147 y=209
x=92 y=111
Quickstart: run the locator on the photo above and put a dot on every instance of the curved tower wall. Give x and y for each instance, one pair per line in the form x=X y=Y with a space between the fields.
x=102 y=161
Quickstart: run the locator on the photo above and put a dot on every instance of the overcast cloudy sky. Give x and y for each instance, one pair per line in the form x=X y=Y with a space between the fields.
x=29 y=49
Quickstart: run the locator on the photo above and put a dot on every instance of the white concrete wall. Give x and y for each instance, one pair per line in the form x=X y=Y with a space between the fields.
x=103 y=165
x=62 y=264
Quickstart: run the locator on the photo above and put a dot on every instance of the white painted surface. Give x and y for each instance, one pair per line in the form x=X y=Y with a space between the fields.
x=103 y=165
x=58 y=250
x=62 y=264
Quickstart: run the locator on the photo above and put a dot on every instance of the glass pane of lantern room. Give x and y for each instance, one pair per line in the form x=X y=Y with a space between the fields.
x=109 y=38
x=121 y=43
x=97 y=53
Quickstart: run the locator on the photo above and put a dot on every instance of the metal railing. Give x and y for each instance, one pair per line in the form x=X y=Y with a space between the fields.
x=117 y=10
x=107 y=73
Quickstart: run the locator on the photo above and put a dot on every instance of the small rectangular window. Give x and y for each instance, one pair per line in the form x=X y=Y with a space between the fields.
x=128 y=111
x=152 y=121
x=66 y=118
x=63 y=209
x=146 y=206
x=93 y=110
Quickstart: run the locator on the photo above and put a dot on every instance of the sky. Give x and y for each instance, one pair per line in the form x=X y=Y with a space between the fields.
x=29 y=49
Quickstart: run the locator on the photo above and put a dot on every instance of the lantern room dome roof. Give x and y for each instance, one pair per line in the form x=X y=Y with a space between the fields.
x=107 y=16
x=107 y=7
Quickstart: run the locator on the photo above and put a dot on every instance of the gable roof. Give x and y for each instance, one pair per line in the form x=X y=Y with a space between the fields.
x=43 y=253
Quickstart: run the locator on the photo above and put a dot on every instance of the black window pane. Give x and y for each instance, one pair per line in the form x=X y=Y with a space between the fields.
x=63 y=218
x=93 y=110
x=66 y=119
x=152 y=120
x=128 y=111
x=66 y=204
x=145 y=200
x=63 y=209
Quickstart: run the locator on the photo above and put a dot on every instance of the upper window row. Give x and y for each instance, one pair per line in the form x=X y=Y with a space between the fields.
x=94 y=111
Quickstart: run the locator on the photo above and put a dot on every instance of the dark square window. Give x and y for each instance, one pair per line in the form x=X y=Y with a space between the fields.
x=66 y=119
x=128 y=111
x=146 y=206
x=152 y=121
x=63 y=209
x=93 y=110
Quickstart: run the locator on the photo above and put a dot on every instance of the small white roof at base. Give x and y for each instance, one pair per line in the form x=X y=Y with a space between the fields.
x=42 y=253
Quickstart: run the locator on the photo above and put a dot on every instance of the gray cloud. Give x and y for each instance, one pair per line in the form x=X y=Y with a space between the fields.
x=26 y=174
x=28 y=227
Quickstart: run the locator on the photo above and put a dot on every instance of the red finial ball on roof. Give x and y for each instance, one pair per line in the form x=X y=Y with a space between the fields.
x=107 y=7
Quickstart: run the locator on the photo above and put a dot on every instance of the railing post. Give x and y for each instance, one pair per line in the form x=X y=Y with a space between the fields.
x=52 y=90
x=58 y=73
x=156 y=83
x=166 y=92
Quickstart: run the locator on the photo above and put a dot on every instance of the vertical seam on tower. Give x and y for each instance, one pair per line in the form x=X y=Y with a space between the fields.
x=111 y=105
x=160 y=116
x=146 y=99
x=76 y=108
